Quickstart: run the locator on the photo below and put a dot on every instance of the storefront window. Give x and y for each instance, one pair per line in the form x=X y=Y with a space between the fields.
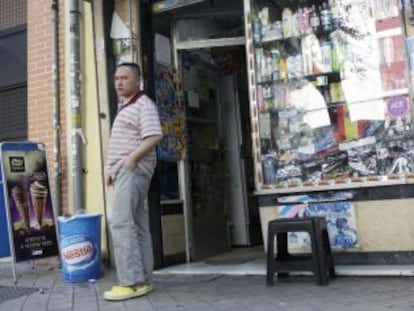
x=332 y=89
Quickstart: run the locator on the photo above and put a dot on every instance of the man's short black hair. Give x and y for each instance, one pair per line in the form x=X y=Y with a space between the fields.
x=133 y=66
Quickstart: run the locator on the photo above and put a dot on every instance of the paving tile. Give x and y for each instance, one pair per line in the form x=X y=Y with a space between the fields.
x=141 y=303
x=14 y=304
x=212 y=292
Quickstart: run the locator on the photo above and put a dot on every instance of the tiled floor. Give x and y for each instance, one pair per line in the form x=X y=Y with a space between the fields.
x=251 y=261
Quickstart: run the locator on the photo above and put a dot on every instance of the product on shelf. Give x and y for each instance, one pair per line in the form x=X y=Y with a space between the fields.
x=333 y=91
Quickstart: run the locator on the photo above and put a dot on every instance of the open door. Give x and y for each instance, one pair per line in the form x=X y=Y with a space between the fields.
x=236 y=180
x=205 y=157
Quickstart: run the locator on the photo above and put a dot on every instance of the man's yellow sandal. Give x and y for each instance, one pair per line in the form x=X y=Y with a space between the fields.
x=126 y=292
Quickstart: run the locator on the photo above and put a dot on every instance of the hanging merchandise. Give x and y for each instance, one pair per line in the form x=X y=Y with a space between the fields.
x=326 y=17
x=122 y=36
x=168 y=97
x=171 y=113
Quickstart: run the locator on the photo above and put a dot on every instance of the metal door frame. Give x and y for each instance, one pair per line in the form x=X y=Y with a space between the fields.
x=182 y=164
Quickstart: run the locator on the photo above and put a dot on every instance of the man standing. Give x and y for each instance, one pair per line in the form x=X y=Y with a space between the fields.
x=131 y=163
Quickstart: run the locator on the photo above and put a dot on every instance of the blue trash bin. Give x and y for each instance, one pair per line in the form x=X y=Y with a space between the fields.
x=80 y=244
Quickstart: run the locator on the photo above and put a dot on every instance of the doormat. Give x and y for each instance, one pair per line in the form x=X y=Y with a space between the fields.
x=12 y=292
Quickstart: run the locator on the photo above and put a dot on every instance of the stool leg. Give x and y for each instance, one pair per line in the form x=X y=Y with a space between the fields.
x=320 y=251
x=282 y=251
x=270 y=258
x=327 y=245
x=316 y=267
x=282 y=245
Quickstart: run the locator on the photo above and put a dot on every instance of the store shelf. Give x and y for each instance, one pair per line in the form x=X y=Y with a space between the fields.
x=336 y=103
x=333 y=75
x=336 y=186
x=276 y=39
x=167 y=5
x=171 y=202
x=200 y=120
x=397 y=31
x=396 y=92
x=210 y=43
x=299 y=37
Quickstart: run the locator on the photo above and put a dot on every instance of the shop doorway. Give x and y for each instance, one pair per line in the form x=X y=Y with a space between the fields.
x=208 y=206
x=218 y=155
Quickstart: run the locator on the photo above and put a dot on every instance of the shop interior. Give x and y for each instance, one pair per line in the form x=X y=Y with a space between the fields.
x=208 y=192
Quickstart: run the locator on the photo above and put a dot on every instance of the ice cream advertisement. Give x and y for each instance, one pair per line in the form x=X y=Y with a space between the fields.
x=29 y=204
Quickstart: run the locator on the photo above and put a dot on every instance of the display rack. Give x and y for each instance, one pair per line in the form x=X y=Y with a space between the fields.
x=329 y=95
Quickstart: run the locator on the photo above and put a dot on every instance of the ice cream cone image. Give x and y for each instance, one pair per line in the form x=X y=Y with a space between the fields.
x=21 y=201
x=38 y=193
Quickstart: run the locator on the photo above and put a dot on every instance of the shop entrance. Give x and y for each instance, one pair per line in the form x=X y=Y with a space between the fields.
x=212 y=208
x=218 y=154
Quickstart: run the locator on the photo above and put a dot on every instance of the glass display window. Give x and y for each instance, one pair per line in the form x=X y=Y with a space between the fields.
x=332 y=92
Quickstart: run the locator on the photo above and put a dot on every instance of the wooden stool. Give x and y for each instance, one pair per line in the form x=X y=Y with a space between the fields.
x=320 y=261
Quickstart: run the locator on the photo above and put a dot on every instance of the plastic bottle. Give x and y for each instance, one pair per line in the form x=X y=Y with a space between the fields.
x=283 y=71
x=299 y=14
x=306 y=56
x=275 y=64
x=326 y=20
x=257 y=30
x=326 y=48
x=269 y=173
x=314 y=19
x=336 y=53
x=305 y=20
x=333 y=4
x=287 y=22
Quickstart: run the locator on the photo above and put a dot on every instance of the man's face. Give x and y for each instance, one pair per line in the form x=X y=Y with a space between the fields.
x=126 y=82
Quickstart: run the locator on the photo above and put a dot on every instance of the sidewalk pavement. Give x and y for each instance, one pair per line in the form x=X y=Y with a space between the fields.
x=42 y=288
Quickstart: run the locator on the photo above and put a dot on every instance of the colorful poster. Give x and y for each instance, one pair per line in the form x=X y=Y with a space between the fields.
x=340 y=221
x=172 y=116
x=28 y=203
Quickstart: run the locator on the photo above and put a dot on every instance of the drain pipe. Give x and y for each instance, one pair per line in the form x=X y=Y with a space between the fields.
x=131 y=37
x=77 y=137
x=56 y=111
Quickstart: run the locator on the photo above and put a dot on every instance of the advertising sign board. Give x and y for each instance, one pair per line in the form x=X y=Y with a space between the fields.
x=27 y=201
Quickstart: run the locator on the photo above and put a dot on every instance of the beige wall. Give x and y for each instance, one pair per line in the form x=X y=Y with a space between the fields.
x=386 y=225
x=94 y=101
x=382 y=225
x=93 y=185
